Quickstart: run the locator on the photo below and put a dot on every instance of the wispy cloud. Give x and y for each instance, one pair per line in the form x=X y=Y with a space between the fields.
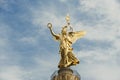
x=99 y=72
x=11 y=72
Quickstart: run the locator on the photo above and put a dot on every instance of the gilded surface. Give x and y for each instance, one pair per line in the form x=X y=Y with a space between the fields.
x=66 y=39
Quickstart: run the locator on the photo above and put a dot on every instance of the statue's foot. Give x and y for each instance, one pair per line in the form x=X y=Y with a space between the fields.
x=74 y=63
x=62 y=66
x=65 y=65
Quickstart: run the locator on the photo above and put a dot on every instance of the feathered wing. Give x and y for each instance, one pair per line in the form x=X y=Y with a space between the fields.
x=74 y=36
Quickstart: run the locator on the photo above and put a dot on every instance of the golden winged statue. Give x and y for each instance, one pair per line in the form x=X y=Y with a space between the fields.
x=66 y=39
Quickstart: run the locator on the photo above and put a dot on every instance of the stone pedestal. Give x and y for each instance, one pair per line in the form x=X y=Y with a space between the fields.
x=65 y=74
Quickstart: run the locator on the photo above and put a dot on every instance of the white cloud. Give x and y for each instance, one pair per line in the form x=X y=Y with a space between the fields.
x=99 y=72
x=98 y=56
x=15 y=72
x=63 y=0
x=30 y=40
x=11 y=72
x=108 y=7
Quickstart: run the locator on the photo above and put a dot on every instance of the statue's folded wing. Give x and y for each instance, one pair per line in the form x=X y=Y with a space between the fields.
x=74 y=36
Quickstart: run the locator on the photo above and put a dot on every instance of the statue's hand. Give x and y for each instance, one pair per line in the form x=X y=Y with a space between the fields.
x=49 y=25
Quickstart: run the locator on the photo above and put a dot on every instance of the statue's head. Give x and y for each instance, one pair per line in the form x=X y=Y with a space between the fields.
x=64 y=30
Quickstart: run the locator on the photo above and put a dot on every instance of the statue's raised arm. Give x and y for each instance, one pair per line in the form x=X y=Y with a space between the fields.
x=55 y=36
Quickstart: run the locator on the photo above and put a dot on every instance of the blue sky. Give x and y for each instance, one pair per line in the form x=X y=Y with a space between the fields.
x=28 y=51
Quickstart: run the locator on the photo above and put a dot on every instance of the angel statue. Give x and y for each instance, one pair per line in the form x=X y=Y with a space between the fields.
x=66 y=39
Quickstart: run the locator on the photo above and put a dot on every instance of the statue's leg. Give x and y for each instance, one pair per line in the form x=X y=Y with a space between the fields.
x=64 y=59
x=72 y=58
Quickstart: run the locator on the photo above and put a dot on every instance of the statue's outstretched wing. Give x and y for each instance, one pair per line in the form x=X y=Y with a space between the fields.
x=74 y=36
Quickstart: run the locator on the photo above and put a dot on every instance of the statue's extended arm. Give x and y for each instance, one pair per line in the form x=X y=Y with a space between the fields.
x=53 y=34
x=51 y=31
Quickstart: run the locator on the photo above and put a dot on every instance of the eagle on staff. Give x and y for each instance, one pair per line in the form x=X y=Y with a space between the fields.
x=66 y=39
